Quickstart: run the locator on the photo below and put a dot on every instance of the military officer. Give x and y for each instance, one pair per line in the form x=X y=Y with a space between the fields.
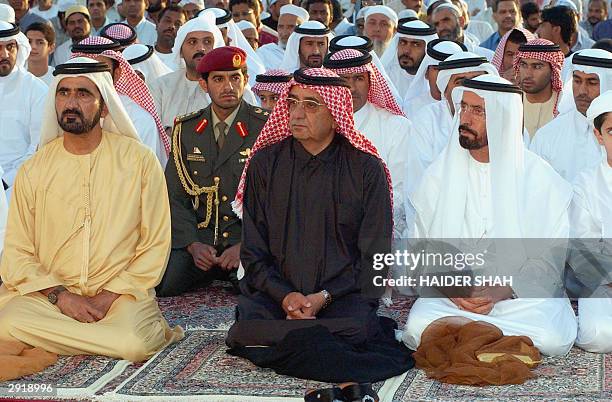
x=209 y=149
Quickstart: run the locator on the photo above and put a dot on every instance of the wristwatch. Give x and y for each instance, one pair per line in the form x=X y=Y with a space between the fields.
x=327 y=297
x=52 y=295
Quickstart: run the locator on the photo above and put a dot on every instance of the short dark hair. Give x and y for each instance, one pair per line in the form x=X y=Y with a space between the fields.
x=172 y=7
x=517 y=37
x=337 y=11
x=244 y=70
x=599 y=120
x=106 y=3
x=605 y=44
x=308 y=3
x=528 y=9
x=254 y=4
x=45 y=28
x=496 y=4
x=563 y=17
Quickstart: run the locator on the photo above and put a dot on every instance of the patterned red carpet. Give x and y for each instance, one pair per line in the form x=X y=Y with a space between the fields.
x=198 y=368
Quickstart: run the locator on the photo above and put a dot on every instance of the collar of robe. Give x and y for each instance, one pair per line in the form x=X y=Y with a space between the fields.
x=453 y=64
x=107 y=32
x=351 y=42
x=591 y=61
x=311 y=31
x=263 y=78
x=362 y=60
x=95 y=49
x=402 y=29
x=538 y=48
x=80 y=68
x=9 y=32
x=438 y=55
x=302 y=77
x=139 y=59
x=492 y=86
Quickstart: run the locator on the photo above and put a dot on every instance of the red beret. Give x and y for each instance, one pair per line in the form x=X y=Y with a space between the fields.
x=226 y=58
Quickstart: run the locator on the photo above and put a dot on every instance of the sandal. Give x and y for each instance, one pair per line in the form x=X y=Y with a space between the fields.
x=360 y=393
x=325 y=395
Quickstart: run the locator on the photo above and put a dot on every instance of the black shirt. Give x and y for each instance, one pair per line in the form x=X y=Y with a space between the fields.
x=313 y=222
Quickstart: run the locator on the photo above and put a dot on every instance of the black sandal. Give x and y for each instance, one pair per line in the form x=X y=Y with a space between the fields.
x=325 y=395
x=360 y=393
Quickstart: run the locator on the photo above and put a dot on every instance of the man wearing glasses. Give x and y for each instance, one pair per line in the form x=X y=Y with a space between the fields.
x=316 y=206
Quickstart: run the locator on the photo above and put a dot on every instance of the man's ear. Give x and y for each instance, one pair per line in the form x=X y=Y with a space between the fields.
x=203 y=84
x=51 y=48
x=104 y=111
x=556 y=30
x=598 y=136
x=462 y=22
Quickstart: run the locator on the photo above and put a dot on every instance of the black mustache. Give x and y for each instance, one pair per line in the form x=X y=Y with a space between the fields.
x=463 y=127
x=198 y=54
x=72 y=111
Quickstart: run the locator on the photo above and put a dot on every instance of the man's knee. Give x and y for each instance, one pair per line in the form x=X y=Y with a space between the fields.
x=418 y=319
x=137 y=347
x=594 y=335
x=176 y=279
x=553 y=340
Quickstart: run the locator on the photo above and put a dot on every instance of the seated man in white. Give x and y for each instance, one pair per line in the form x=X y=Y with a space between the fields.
x=486 y=186
x=591 y=221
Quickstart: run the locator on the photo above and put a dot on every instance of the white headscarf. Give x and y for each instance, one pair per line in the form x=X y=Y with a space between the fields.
x=23 y=45
x=244 y=24
x=420 y=85
x=199 y=3
x=605 y=76
x=205 y=22
x=7 y=13
x=117 y=120
x=444 y=76
x=143 y=59
x=519 y=180
x=384 y=10
x=417 y=30
x=291 y=58
x=602 y=197
x=292 y=9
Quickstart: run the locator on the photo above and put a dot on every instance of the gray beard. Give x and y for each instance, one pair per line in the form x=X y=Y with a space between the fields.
x=379 y=47
x=282 y=45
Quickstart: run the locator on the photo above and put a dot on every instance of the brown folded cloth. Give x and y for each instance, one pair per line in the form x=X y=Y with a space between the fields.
x=18 y=359
x=457 y=350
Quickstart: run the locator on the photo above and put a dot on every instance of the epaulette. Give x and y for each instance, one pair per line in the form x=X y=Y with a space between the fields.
x=187 y=116
x=260 y=113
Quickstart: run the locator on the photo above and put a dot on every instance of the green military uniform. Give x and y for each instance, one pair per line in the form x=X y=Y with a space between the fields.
x=202 y=182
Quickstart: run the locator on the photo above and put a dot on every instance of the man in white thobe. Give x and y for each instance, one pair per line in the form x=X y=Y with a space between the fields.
x=307 y=46
x=567 y=142
x=378 y=116
x=423 y=90
x=22 y=97
x=406 y=52
x=485 y=188
x=591 y=224
x=179 y=93
x=272 y=53
x=433 y=127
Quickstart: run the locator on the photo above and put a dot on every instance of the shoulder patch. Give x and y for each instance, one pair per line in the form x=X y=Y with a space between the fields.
x=187 y=116
x=260 y=113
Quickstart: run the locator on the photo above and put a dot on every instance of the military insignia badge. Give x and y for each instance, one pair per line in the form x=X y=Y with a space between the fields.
x=236 y=61
x=241 y=129
x=246 y=153
x=201 y=126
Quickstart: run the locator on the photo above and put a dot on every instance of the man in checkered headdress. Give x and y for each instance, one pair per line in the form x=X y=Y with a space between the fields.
x=310 y=234
x=537 y=66
x=378 y=116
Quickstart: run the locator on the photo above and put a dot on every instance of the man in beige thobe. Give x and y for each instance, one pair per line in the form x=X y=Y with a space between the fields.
x=88 y=232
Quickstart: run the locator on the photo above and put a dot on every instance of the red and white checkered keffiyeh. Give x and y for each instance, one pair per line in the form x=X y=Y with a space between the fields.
x=274 y=87
x=119 y=32
x=498 y=57
x=340 y=104
x=129 y=84
x=555 y=59
x=379 y=94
